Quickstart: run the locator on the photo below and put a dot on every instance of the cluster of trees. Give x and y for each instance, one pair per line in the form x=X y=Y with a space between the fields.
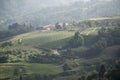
x=66 y=67
x=105 y=73
x=111 y=36
x=5 y=44
x=15 y=29
x=15 y=55
x=61 y=26
x=106 y=37
x=76 y=41
x=3 y=58
x=19 y=55
x=99 y=23
x=38 y=58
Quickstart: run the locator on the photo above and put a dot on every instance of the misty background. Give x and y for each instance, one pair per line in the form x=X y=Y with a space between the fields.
x=43 y=12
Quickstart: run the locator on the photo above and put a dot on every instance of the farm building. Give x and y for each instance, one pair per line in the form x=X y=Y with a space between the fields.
x=47 y=27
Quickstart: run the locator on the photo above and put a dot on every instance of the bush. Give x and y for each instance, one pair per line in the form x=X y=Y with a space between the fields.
x=7 y=44
x=3 y=59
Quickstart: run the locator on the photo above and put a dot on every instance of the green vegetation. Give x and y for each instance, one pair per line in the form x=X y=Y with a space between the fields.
x=46 y=38
x=7 y=70
x=61 y=53
x=76 y=41
x=15 y=29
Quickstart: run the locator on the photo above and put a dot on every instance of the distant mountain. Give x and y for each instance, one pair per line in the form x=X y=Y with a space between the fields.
x=41 y=12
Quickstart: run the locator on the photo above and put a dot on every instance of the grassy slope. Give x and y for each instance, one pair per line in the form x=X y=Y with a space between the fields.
x=39 y=38
x=7 y=69
x=90 y=31
x=50 y=38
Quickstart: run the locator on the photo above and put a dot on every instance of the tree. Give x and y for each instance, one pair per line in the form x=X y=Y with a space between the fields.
x=89 y=78
x=58 y=26
x=3 y=59
x=66 y=67
x=19 y=41
x=102 y=32
x=77 y=40
x=101 y=44
x=20 y=78
x=117 y=65
x=13 y=26
x=83 y=78
x=79 y=79
x=16 y=28
x=16 y=71
x=7 y=44
x=102 y=71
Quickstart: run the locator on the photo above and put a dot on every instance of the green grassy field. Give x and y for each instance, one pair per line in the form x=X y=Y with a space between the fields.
x=90 y=31
x=7 y=69
x=43 y=38
x=50 y=38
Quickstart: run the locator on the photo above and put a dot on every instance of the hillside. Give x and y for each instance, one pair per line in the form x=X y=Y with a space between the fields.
x=48 y=38
x=61 y=54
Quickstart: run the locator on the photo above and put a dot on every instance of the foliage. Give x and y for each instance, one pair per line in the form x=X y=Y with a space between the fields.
x=106 y=73
x=18 y=28
x=58 y=26
x=66 y=67
x=3 y=58
x=28 y=70
x=76 y=41
x=37 y=58
x=15 y=29
x=7 y=44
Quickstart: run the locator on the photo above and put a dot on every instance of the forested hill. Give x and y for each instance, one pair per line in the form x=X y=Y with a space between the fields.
x=33 y=12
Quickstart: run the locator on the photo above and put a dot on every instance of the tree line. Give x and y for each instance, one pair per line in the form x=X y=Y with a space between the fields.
x=15 y=29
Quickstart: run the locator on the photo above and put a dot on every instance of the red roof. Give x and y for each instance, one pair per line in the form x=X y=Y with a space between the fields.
x=47 y=26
